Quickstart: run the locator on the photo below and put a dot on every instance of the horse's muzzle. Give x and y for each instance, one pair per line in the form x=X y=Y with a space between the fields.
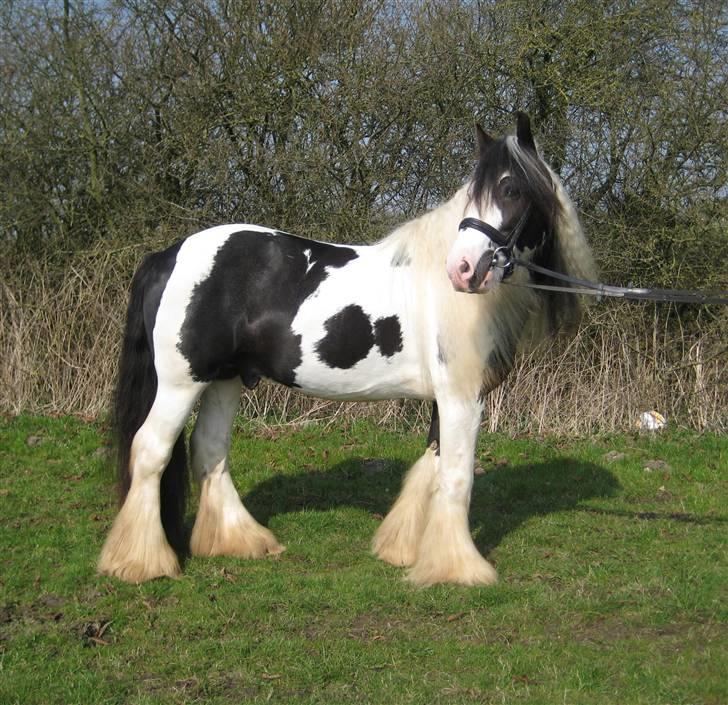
x=469 y=278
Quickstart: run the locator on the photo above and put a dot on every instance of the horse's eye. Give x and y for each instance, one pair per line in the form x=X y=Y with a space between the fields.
x=509 y=189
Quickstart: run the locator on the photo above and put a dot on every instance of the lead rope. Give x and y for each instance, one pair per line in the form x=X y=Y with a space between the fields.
x=583 y=286
x=503 y=258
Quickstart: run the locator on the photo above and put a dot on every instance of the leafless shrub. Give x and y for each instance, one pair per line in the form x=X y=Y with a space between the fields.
x=124 y=122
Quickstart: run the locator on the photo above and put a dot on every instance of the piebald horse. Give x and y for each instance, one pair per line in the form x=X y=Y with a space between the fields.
x=422 y=314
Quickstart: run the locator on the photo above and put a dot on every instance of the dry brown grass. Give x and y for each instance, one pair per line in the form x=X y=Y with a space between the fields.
x=60 y=333
x=617 y=366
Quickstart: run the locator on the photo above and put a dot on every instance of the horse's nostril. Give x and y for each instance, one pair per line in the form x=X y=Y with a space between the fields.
x=464 y=267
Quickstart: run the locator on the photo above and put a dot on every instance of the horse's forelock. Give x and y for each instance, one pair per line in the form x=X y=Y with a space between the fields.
x=527 y=169
x=534 y=177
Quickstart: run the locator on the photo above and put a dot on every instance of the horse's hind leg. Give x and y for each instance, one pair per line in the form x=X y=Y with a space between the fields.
x=223 y=527
x=398 y=536
x=136 y=548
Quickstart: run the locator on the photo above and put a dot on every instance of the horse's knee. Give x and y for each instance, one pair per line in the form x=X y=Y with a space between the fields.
x=149 y=455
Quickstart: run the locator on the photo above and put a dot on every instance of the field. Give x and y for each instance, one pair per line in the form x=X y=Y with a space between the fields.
x=611 y=552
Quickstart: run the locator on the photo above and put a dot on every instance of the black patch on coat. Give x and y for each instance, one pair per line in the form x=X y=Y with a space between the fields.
x=238 y=321
x=434 y=435
x=535 y=234
x=348 y=339
x=500 y=363
x=441 y=357
x=388 y=335
x=500 y=359
x=481 y=270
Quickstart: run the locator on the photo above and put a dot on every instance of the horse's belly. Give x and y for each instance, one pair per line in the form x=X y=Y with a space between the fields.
x=362 y=350
x=358 y=334
x=370 y=378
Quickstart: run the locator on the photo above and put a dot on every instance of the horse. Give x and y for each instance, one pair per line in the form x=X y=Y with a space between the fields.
x=425 y=313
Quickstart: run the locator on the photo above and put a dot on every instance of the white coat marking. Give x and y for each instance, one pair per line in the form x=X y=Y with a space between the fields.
x=380 y=290
x=309 y=262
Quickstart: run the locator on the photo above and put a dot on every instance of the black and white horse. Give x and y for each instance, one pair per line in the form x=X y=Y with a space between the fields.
x=421 y=314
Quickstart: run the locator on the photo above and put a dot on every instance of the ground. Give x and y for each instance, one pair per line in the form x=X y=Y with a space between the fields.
x=610 y=551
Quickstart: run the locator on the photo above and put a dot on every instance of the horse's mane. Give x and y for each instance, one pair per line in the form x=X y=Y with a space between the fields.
x=570 y=255
x=569 y=252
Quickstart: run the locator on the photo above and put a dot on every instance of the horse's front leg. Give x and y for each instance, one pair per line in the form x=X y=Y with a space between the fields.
x=446 y=551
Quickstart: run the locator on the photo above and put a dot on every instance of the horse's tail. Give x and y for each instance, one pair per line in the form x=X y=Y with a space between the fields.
x=136 y=388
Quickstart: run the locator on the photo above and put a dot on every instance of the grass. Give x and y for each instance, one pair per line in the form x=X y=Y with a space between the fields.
x=611 y=553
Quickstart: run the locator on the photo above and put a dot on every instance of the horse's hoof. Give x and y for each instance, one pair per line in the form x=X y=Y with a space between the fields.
x=243 y=539
x=472 y=572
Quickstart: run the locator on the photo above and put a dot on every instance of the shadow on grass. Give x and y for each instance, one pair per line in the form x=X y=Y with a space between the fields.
x=503 y=498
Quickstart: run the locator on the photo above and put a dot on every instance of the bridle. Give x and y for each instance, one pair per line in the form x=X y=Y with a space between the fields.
x=503 y=254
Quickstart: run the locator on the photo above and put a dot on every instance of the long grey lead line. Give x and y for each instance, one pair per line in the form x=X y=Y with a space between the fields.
x=597 y=289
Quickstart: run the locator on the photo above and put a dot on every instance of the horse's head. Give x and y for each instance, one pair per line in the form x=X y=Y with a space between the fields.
x=511 y=209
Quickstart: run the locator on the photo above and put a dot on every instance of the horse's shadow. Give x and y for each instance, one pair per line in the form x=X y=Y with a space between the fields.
x=503 y=497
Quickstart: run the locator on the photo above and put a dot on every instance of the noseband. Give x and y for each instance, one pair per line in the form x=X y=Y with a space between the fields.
x=503 y=254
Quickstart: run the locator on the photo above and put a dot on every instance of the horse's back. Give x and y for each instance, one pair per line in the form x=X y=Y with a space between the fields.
x=229 y=299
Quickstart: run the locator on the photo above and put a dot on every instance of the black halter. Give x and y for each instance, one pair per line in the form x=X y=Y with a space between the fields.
x=503 y=255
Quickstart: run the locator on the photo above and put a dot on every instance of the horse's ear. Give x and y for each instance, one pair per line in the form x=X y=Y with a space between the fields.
x=484 y=139
x=523 y=131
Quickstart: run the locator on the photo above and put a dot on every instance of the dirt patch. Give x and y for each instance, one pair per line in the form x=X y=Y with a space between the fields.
x=368 y=627
x=48 y=608
x=656 y=464
x=374 y=466
x=609 y=630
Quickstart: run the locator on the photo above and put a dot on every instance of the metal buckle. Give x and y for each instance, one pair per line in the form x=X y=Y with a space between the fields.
x=502 y=260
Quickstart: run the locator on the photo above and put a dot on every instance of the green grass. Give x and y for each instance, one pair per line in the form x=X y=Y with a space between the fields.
x=612 y=578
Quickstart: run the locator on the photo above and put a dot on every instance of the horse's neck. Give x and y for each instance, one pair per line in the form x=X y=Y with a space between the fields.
x=469 y=330
x=426 y=240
